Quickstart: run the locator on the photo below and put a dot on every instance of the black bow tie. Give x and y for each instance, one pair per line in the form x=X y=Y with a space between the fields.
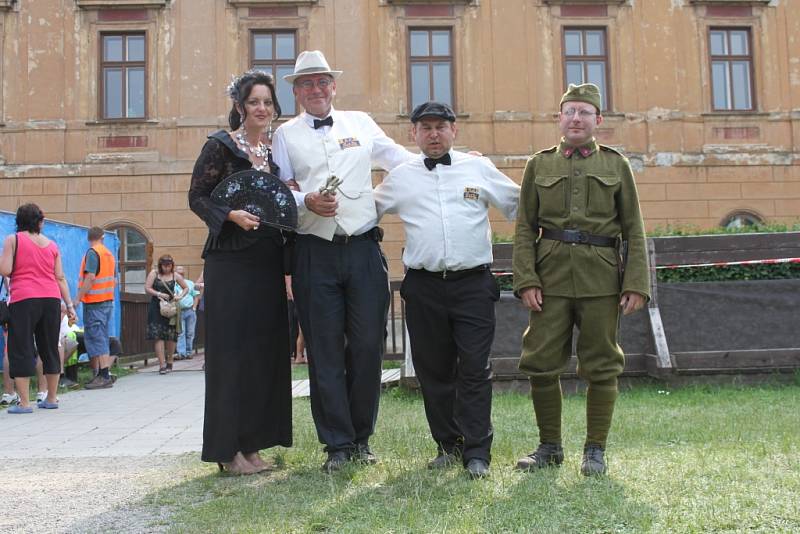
x=324 y=122
x=430 y=163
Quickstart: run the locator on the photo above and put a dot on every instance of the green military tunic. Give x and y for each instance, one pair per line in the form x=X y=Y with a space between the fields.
x=589 y=188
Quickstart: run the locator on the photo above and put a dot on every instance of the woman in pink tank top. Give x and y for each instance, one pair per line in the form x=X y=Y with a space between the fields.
x=37 y=287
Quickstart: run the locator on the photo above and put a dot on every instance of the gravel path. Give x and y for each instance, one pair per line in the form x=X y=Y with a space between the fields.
x=82 y=495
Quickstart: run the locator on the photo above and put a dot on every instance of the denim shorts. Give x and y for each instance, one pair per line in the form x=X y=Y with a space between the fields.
x=96 y=318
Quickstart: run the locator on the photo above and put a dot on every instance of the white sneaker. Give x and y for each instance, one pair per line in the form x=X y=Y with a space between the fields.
x=42 y=395
x=9 y=399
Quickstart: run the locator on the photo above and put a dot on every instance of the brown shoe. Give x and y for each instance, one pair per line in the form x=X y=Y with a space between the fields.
x=546 y=455
x=99 y=382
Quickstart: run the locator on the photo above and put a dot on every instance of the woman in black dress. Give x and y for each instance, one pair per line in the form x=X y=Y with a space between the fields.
x=248 y=373
x=163 y=283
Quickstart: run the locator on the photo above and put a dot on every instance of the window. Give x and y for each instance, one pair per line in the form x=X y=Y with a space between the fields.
x=430 y=66
x=741 y=219
x=122 y=76
x=586 y=59
x=731 y=69
x=275 y=52
x=135 y=256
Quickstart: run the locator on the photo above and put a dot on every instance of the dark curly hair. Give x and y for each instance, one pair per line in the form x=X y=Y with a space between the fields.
x=29 y=217
x=239 y=91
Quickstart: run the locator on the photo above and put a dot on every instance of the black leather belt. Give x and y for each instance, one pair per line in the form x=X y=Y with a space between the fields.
x=579 y=236
x=452 y=275
x=374 y=233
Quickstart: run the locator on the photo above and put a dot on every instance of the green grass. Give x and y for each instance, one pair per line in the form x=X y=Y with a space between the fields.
x=300 y=372
x=692 y=460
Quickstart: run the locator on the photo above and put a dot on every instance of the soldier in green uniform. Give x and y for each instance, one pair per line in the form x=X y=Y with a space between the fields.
x=578 y=200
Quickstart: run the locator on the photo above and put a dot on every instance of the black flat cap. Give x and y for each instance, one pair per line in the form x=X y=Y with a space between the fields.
x=433 y=109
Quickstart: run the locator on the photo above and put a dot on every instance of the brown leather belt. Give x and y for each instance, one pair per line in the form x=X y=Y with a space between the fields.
x=580 y=237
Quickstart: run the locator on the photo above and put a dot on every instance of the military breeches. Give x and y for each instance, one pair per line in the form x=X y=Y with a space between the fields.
x=547 y=343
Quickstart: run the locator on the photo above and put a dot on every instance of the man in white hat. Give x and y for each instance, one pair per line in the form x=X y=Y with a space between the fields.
x=339 y=279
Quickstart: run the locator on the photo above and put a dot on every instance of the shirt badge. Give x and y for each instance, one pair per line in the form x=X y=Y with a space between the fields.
x=471 y=193
x=348 y=142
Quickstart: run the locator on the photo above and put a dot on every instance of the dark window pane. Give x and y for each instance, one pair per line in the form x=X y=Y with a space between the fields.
x=420 y=84
x=135 y=92
x=574 y=72
x=719 y=82
x=740 y=85
x=739 y=43
x=572 y=43
x=719 y=46
x=419 y=43
x=594 y=43
x=284 y=90
x=112 y=48
x=284 y=46
x=136 y=48
x=442 y=90
x=112 y=99
x=135 y=246
x=440 y=43
x=262 y=46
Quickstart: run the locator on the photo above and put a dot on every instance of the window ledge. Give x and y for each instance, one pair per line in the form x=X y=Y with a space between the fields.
x=6 y=5
x=264 y=3
x=585 y=2
x=106 y=4
x=730 y=2
x=120 y=122
x=727 y=113
x=451 y=2
x=407 y=116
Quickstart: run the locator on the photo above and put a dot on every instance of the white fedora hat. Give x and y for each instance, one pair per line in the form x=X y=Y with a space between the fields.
x=311 y=62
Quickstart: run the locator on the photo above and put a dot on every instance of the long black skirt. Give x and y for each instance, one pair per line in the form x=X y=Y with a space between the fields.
x=248 y=372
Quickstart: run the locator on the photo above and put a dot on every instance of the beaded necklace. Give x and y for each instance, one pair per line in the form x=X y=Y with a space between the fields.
x=260 y=150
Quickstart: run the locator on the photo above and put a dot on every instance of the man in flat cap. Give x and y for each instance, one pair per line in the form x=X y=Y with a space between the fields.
x=340 y=277
x=443 y=198
x=578 y=203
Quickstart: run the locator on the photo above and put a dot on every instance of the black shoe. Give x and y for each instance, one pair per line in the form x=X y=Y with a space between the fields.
x=444 y=460
x=363 y=455
x=477 y=468
x=593 y=462
x=546 y=455
x=335 y=462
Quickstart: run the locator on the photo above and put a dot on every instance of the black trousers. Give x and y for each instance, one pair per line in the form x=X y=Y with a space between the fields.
x=451 y=326
x=32 y=319
x=341 y=292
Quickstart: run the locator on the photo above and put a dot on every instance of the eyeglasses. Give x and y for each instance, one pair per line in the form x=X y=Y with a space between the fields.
x=322 y=83
x=571 y=112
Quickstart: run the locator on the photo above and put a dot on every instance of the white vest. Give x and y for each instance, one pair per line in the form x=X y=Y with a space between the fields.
x=343 y=152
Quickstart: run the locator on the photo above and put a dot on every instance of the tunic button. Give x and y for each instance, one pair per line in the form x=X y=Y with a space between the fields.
x=577 y=173
x=575 y=208
x=575 y=191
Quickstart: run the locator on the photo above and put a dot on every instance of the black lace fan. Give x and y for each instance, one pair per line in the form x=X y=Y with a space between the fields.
x=260 y=193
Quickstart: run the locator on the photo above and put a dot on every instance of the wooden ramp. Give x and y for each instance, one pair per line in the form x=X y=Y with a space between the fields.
x=300 y=388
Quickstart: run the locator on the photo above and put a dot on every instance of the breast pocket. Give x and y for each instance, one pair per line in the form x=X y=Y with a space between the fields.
x=600 y=195
x=552 y=191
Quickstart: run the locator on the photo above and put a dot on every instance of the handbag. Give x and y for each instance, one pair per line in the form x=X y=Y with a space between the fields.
x=168 y=308
x=5 y=313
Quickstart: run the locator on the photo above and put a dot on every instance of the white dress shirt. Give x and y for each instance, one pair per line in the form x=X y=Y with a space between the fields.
x=445 y=211
x=346 y=150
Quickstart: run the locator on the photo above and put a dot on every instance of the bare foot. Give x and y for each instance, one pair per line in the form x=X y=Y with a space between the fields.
x=256 y=461
x=239 y=466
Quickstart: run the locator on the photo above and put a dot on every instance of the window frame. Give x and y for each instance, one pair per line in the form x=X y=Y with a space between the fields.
x=102 y=65
x=274 y=63
x=728 y=59
x=584 y=59
x=123 y=263
x=430 y=60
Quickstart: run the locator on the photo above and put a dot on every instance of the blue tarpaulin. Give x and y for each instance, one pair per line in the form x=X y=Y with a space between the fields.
x=72 y=244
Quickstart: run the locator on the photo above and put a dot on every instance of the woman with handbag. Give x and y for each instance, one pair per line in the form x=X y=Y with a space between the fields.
x=162 y=313
x=34 y=306
x=248 y=374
